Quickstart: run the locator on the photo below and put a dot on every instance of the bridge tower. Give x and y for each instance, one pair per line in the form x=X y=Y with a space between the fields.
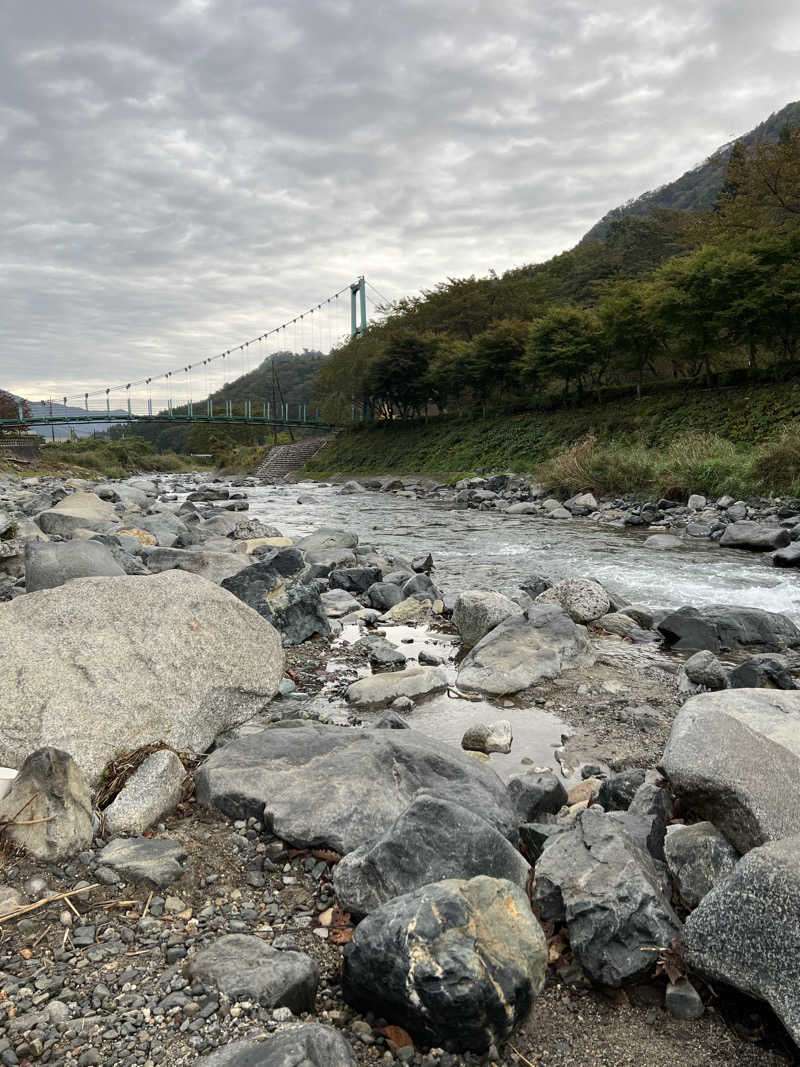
x=358 y=294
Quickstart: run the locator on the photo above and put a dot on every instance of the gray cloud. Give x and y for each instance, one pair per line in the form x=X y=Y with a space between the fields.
x=179 y=175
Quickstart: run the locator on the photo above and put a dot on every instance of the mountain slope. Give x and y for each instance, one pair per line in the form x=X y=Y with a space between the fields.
x=697 y=188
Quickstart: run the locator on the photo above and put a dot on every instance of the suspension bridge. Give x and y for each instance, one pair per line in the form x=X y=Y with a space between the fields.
x=195 y=392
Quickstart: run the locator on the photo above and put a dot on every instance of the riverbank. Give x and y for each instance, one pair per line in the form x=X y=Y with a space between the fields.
x=731 y=440
x=261 y=844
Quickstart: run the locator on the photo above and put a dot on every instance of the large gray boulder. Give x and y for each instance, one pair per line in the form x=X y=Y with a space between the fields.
x=50 y=564
x=51 y=800
x=78 y=511
x=734 y=758
x=379 y=690
x=476 y=612
x=167 y=528
x=746 y=930
x=123 y=493
x=331 y=786
x=581 y=598
x=243 y=967
x=608 y=892
x=523 y=650
x=725 y=626
x=215 y=566
x=432 y=840
x=327 y=538
x=754 y=536
x=154 y=788
x=104 y=665
x=291 y=605
x=307 y=1045
x=698 y=856
x=457 y=963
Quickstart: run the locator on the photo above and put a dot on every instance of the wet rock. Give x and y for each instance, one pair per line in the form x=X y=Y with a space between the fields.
x=535 y=584
x=608 y=892
x=754 y=536
x=293 y=607
x=422 y=564
x=154 y=861
x=746 y=932
x=384 y=595
x=718 y=627
x=432 y=840
x=698 y=857
x=476 y=613
x=420 y=585
x=48 y=565
x=582 y=599
x=617 y=792
x=243 y=967
x=663 y=542
x=354 y=580
x=381 y=652
x=51 y=795
x=787 y=557
x=390 y=720
x=78 y=511
x=327 y=538
x=703 y=668
x=153 y=789
x=316 y=785
x=308 y=1045
x=104 y=665
x=489 y=737
x=523 y=650
x=734 y=759
x=764 y=671
x=457 y=964
x=535 y=793
x=379 y=690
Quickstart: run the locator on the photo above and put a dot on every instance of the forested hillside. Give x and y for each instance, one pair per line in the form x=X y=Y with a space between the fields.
x=695 y=298
x=698 y=188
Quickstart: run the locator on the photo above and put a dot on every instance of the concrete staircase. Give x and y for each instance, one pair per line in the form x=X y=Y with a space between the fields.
x=283 y=461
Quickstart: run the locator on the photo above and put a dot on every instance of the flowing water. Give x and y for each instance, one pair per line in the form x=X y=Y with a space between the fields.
x=489 y=550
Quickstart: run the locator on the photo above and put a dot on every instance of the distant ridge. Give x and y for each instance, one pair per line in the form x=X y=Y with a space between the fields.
x=697 y=188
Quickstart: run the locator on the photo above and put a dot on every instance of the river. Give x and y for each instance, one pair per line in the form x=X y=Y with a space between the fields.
x=489 y=550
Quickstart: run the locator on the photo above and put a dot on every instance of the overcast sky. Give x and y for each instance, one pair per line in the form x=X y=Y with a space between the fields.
x=180 y=175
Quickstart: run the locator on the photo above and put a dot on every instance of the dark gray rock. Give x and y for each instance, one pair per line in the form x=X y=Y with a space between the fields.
x=318 y=785
x=308 y=1045
x=746 y=930
x=734 y=758
x=243 y=967
x=787 y=557
x=354 y=580
x=422 y=564
x=654 y=803
x=764 y=671
x=48 y=565
x=617 y=792
x=293 y=607
x=754 y=536
x=698 y=856
x=608 y=892
x=432 y=840
x=421 y=585
x=726 y=626
x=383 y=595
x=381 y=652
x=457 y=964
x=390 y=720
x=535 y=793
x=535 y=584
x=534 y=837
x=682 y=1000
x=154 y=861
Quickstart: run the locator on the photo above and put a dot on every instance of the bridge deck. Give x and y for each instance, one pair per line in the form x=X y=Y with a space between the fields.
x=106 y=417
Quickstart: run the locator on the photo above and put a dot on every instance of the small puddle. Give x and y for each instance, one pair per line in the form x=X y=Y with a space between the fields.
x=537 y=734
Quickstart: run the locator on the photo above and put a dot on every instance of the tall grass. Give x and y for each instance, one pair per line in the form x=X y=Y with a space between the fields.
x=692 y=462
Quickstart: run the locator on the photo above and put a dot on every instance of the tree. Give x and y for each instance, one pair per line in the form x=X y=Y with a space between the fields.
x=398 y=379
x=631 y=333
x=566 y=344
x=10 y=407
